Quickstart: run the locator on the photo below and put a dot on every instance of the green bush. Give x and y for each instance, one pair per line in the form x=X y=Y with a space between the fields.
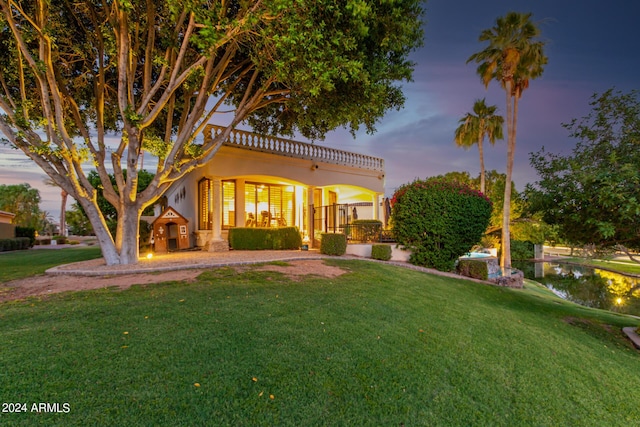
x=522 y=250
x=17 y=244
x=438 y=221
x=60 y=240
x=333 y=244
x=253 y=238
x=381 y=252
x=29 y=232
x=473 y=268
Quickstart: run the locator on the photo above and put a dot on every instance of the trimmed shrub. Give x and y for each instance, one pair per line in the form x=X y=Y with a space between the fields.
x=17 y=244
x=60 y=240
x=473 y=268
x=333 y=244
x=438 y=221
x=24 y=243
x=253 y=238
x=381 y=252
x=29 y=232
x=521 y=250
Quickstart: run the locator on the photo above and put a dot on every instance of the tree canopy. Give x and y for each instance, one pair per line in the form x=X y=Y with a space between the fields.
x=154 y=73
x=474 y=127
x=23 y=201
x=593 y=194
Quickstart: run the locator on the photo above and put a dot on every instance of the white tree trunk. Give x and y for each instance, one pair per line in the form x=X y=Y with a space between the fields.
x=126 y=252
x=63 y=213
x=129 y=226
x=482 y=172
x=505 y=258
x=109 y=252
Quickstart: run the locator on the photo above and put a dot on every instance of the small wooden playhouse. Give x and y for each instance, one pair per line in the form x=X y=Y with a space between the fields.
x=170 y=232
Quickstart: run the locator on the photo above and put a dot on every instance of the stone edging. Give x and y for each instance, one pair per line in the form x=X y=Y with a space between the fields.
x=630 y=332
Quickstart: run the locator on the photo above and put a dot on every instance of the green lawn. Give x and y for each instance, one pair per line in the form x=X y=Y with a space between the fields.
x=21 y=264
x=618 y=265
x=381 y=345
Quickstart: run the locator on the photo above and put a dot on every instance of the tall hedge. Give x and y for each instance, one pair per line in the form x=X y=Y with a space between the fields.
x=438 y=221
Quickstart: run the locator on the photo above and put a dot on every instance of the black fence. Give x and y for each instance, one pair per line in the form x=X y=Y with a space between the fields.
x=344 y=219
x=332 y=218
x=368 y=233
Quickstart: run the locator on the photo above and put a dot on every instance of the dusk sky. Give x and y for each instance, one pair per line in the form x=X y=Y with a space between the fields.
x=592 y=45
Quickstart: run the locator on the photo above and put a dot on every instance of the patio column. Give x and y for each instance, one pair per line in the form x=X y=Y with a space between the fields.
x=310 y=224
x=376 y=206
x=216 y=184
x=240 y=203
x=217 y=243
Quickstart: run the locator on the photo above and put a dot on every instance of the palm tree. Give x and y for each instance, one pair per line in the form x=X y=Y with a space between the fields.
x=513 y=57
x=474 y=127
x=63 y=206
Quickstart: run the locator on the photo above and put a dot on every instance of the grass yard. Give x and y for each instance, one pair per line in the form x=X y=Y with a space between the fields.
x=621 y=266
x=381 y=345
x=21 y=264
x=628 y=267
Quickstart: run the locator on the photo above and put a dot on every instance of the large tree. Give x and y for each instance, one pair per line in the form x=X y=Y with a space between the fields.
x=154 y=73
x=474 y=127
x=593 y=194
x=23 y=201
x=514 y=56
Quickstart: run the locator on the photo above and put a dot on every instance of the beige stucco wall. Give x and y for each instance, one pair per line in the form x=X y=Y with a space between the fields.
x=7 y=231
x=232 y=162
x=237 y=163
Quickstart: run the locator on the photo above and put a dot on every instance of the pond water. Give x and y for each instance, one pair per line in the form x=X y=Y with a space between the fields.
x=587 y=286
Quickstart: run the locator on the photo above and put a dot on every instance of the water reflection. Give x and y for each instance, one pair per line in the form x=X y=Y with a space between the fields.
x=587 y=286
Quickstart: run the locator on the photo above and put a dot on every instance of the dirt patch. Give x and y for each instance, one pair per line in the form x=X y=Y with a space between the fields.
x=297 y=270
x=50 y=284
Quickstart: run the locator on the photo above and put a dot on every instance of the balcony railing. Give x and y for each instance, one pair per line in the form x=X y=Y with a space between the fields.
x=300 y=150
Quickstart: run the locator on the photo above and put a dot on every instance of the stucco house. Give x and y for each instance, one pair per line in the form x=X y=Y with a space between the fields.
x=263 y=181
